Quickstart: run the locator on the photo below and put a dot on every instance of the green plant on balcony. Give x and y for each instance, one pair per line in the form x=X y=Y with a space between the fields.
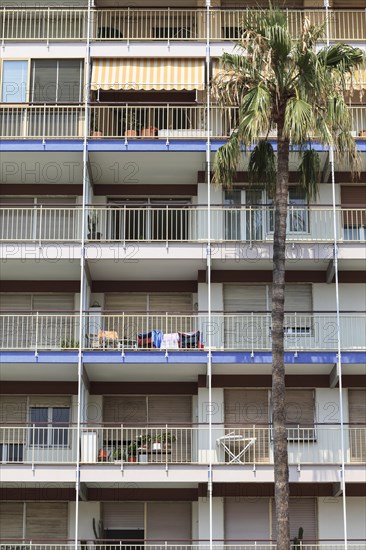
x=118 y=454
x=297 y=543
x=162 y=441
x=132 y=451
x=69 y=343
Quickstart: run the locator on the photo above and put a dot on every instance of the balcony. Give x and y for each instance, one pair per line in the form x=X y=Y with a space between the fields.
x=126 y=122
x=24 y=544
x=131 y=24
x=56 y=444
x=159 y=333
x=179 y=224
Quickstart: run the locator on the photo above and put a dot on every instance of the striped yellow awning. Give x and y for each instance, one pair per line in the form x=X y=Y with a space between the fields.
x=359 y=81
x=148 y=74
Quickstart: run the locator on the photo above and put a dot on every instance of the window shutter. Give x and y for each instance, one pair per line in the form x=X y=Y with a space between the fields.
x=50 y=401
x=13 y=409
x=123 y=515
x=298 y=298
x=44 y=518
x=357 y=415
x=300 y=407
x=175 y=409
x=246 y=298
x=302 y=513
x=70 y=80
x=53 y=302
x=353 y=196
x=129 y=410
x=246 y=519
x=126 y=302
x=168 y=521
x=11 y=520
x=171 y=302
x=15 y=302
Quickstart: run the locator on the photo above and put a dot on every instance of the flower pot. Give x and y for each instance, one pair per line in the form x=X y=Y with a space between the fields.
x=103 y=456
x=132 y=459
x=94 y=236
x=97 y=134
x=130 y=133
x=148 y=132
x=362 y=133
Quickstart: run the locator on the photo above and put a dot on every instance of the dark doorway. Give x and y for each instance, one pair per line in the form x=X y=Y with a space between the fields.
x=126 y=537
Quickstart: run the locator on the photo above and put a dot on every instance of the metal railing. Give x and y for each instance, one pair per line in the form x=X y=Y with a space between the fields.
x=183 y=224
x=334 y=544
x=251 y=444
x=128 y=24
x=166 y=331
x=129 y=121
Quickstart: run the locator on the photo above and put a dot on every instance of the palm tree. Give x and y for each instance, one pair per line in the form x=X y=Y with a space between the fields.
x=276 y=80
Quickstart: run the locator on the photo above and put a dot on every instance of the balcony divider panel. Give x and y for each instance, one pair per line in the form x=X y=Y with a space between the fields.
x=302 y=513
x=123 y=515
x=246 y=413
x=246 y=519
x=169 y=521
x=357 y=415
x=47 y=517
x=11 y=520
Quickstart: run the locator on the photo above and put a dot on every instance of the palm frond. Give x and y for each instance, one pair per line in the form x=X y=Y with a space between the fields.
x=226 y=161
x=262 y=166
x=309 y=173
x=255 y=114
x=299 y=120
x=341 y=56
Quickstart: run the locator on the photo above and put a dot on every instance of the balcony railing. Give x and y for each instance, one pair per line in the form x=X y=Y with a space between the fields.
x=166 y=331
x=24 y=544
x=250 y=444
x=179 y=224
x=129 y=24
x=126 y=122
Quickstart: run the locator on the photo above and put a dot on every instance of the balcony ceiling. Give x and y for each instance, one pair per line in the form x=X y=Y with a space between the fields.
x=32 y=269
x=53 y=372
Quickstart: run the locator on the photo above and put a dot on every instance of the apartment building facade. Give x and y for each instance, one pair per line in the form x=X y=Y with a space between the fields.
x=135 y=317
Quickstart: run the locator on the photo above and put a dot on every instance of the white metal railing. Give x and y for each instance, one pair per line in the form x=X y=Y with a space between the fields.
x=188 y=223
x=246 y=332
x=171 y=545
x=127 y=24
x=129 y=121
x=41 y=121
x=252 y=444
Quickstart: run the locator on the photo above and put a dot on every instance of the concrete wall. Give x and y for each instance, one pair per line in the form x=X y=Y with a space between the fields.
x=87 y=511
x=330 y=518
x=218 y=518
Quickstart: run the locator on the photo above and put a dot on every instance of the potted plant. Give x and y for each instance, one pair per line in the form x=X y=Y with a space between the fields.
x=132 y=452
x=131 y=124
x=163 y=441
x=149 y=131
x=70 y=343
x=103 y=455
x=118 y=454
x=298 y=540
x=93 y=233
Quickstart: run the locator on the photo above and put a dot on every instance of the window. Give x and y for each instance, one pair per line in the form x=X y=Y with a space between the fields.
x=243 y=214
x=50 y=426
x=57 y=80
x=14 y=82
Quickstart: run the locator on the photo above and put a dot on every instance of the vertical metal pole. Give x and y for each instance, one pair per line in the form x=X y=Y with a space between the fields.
x=82 y=270
x=336 y=282
x=208 y=267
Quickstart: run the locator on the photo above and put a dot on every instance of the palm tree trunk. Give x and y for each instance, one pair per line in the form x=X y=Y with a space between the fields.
x=278 y=364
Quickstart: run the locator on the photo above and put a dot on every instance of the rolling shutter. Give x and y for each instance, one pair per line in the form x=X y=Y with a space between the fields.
x=11 y=520
x=53 y=302
x=246 y=414
x=50 y=401
x=46 y=518
x=246 y=519
x=302 y=513
x=15 y=302
x=171 y=302
x=13 y=412
x=168 y=521
x=128 y=302
x=123 y=515
x=353 y=199
x=175 y=410
x=129 y=410
x=245 y=298
x=300 y=408
x=357 y=415
x=298 y=298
